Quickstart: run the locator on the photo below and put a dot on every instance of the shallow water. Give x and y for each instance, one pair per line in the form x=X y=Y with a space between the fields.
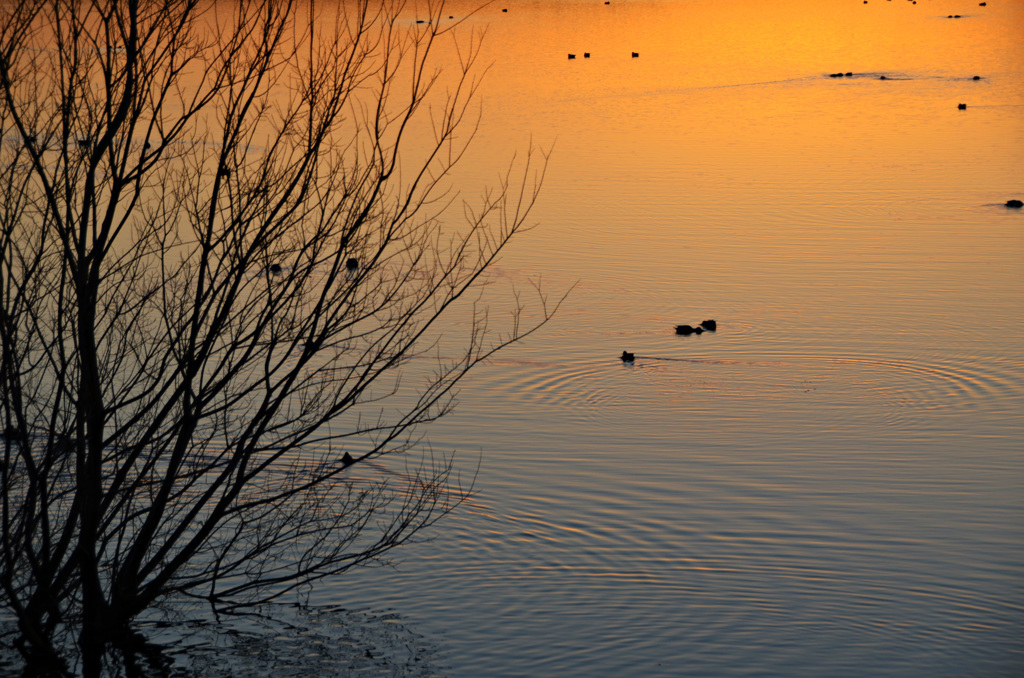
x=830 y=484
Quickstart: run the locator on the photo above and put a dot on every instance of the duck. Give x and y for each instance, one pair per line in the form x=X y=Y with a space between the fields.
x=709 y=325
x=1014 y=203
x=685 y=330
x=627 y=357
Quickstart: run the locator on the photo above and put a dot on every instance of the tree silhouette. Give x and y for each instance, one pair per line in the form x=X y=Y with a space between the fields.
x=225 y=259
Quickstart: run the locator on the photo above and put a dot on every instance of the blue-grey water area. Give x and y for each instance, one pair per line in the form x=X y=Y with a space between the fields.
x=832 y=483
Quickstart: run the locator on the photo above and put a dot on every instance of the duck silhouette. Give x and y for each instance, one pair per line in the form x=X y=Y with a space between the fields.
x=627 y=357
x=685 y=330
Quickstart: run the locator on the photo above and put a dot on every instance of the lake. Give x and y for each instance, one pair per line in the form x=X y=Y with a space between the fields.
x=831 y=483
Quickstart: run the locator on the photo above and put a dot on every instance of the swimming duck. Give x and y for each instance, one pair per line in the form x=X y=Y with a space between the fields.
x=627 y=357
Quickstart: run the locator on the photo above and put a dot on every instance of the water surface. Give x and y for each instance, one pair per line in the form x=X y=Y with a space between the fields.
x=830 y=484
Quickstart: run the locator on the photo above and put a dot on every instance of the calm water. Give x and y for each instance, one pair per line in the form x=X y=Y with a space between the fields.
x=831 y=484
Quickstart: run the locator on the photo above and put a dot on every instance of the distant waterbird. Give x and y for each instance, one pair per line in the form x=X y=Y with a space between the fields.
x=627 y=357
x=1014 y=203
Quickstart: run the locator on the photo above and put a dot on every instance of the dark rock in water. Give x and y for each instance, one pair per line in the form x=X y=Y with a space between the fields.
x=627 y=357
x=1014 y=203
x=962 y=107
x=685 y=330
x=274 y=268
x=709 y=325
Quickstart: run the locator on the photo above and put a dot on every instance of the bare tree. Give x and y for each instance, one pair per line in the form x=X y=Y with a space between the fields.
x=225 y=257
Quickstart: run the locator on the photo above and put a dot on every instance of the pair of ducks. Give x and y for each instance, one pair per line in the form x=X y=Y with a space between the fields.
x=687 y=330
